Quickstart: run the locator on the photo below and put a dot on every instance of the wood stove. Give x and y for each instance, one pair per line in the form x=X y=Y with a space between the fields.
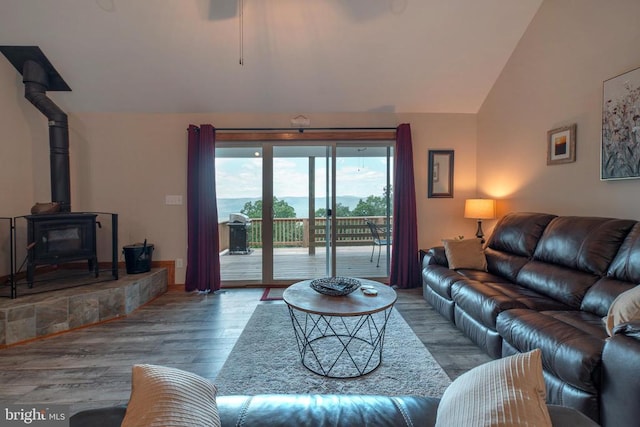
x=59 y=238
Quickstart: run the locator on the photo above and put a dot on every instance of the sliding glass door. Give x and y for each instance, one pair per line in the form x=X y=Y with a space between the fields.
x=363 y=209
x=311 y=208
x=239 y=188
x=302 y=197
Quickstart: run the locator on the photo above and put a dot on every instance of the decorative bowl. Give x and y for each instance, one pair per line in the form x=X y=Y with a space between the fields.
x=335 y=286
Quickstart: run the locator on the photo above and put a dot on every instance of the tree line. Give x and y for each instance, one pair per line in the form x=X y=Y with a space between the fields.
x=370 y=206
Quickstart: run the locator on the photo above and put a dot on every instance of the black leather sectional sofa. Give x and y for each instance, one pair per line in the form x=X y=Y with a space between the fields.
x=549 y=284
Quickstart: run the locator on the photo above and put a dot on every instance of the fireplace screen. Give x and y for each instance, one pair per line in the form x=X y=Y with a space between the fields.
x=58 y=251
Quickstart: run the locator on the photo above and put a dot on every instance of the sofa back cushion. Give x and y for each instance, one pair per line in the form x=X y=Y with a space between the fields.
x=559 y=283
x=626 y=264
x=582 y=243
x=513 y=242
x=623 y=274
x=518 y=233
x=599 y=297
x=504 y=264
x=572 y=255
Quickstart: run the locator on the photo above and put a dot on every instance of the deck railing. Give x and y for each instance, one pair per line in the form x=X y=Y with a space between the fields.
x=299 y=232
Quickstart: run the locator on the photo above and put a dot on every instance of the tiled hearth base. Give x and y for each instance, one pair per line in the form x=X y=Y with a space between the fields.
x=34 y=316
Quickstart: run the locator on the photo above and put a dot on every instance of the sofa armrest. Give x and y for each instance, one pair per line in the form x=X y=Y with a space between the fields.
x=102 y=417
x=563 y=416
x=435 y=255
x=621 y=377
x=298 y=409
x=629 y=329
x=335 y=410
x=286 y=410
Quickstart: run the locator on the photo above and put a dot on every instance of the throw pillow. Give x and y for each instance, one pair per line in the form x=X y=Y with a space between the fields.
x=625 y=308
x=503 y=392
x=162 y=396
x=465 y=254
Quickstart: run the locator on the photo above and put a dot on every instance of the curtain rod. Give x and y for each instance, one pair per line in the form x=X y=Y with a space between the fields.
x=301 y=130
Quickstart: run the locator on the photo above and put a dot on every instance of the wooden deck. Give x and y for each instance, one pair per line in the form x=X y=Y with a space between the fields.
x=294 y=264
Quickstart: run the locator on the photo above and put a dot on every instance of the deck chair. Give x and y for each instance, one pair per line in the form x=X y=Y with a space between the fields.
x=378 y=234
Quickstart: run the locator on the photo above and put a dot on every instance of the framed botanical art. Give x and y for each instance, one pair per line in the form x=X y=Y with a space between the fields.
x=561 y=145
x=620 y=145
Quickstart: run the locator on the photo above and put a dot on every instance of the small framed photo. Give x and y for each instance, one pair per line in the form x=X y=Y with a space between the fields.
x=561 y=145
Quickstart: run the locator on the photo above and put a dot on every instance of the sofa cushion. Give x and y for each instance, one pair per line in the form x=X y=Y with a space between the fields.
x=513 y=242
x=508 y=391
x=483 y=276
x=564 y=284
x=483 y=301
x=518 y=233
x=585 y=244
x=626 y=264
x=625 y=308
x=162 y=396
x=571 y=342
x=504 y=264
x=599 y=297
x=465 y=254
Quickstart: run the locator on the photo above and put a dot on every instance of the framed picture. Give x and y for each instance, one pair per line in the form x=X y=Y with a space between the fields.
x=620 y=146
x=561 y=145
x=440 y=174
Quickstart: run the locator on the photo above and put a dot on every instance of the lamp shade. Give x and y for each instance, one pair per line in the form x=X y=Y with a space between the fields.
x=480 y=208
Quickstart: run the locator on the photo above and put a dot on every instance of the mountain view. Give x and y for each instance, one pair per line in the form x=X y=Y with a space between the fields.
x=227 y=206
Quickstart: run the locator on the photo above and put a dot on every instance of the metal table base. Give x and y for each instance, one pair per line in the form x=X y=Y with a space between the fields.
x=338 y=346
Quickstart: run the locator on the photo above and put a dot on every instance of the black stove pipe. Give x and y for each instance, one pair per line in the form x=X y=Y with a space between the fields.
x=36 y=84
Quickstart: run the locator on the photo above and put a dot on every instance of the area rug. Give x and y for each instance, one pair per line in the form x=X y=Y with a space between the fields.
x=265 y=359
x=272 y=294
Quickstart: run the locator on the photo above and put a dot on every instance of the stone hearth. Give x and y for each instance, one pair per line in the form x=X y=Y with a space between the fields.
x=35 y=316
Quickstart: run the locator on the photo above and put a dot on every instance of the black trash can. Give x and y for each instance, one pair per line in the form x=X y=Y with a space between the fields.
x=137 y=257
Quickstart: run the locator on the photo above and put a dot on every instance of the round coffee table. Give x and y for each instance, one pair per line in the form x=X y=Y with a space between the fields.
x=340 y=336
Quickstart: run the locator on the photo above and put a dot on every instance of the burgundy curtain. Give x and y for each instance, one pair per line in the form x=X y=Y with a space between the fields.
x=405 y=268
x=203 y=261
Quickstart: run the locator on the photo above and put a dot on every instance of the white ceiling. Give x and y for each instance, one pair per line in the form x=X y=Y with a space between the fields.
x=299 y=55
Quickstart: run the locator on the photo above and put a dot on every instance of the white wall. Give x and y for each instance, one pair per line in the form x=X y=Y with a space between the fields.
x=19 y=126
x=554 y=78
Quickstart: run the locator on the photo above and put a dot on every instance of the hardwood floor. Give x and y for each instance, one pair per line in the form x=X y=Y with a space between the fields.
x=91 y=367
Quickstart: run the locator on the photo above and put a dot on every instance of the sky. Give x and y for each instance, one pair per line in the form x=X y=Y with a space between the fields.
x=356 y=176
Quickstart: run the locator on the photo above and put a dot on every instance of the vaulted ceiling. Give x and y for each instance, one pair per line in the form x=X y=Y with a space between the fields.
x=297 y=55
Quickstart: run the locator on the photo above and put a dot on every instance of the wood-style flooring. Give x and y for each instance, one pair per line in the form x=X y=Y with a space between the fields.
x=91 y=367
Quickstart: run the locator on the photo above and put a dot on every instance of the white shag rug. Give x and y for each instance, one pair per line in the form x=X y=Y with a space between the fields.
x=266 y=359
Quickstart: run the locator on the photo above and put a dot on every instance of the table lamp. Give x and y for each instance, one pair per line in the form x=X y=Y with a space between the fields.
x=480 y=209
